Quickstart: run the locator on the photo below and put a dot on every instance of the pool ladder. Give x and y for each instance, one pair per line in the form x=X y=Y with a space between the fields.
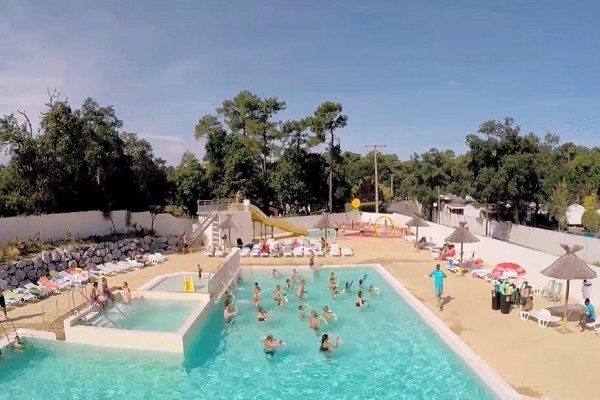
x=102 y=312
x=6 y=332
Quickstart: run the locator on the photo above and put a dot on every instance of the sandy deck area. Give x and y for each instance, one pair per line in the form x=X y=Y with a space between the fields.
x=536 y=362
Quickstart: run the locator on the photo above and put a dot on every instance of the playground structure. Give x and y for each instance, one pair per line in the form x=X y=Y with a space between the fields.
x=383 y=227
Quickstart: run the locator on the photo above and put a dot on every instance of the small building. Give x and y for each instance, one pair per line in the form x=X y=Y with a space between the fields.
x=574 y=213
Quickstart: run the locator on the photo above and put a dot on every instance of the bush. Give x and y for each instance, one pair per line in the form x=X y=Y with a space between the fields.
x=590 y=220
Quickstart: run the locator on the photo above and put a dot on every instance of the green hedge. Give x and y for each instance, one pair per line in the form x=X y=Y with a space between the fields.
x=366 y=207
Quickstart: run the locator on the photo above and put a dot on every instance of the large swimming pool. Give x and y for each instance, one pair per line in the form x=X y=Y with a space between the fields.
x=388 y=352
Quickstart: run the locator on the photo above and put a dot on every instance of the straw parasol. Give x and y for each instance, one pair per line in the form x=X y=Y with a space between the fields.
x=568 y=267
x=324 y=223
x=462 y=235
x=229 y=224
x=417 y=221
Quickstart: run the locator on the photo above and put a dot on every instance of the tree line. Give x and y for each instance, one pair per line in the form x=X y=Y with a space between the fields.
x=80 y=159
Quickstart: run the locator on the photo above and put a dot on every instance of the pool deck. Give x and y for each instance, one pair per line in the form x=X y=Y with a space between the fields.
x=536 y=362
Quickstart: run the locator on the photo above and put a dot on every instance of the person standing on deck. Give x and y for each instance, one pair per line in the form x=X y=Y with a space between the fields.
x=438 y=284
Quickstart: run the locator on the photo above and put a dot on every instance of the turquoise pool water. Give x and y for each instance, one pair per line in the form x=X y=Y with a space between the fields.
x=175 y=284
x=388 y=353
x=147 y=315
x=317 y=233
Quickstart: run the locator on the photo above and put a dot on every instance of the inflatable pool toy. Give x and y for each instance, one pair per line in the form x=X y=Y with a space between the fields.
x=188 y=284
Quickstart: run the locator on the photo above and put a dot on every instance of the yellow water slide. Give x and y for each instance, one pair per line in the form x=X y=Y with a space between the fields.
x=258 y=215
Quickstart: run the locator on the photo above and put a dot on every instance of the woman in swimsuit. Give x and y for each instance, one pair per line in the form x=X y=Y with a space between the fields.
x=332 y=283
x=126 y=293
x=326 y=314
x=270 y=345
x=229 y=312
x=256 y=288
x=360 y=302
x=256 y=299
x=295 y=276
x=326 y=346
x=314 y=321
x=261 y=314
x=278 y=297
x=300 y=292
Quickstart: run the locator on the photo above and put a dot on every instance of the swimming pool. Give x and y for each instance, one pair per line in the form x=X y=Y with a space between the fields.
x=388 y=353
x=146 y=315
x=175 y=283
x=317 y=233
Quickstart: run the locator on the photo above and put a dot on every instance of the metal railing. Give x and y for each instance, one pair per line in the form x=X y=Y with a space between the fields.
x=206 y=206
x=225 y=275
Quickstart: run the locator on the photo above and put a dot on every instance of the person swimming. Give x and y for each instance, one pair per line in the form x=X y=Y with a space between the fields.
x=261 y=314
x=255 y=299
x=360 y=302
x=332 y=283
x=348 y=287
x=276 y=274
x=288 y=285
x=300 y=291
x=256 y=288
x=302 y=308
x=295 y=276
x=327 y=314
x=361 y=284
x=326 y=346
x=311 y=260
x=334 y=292
x=373 y=290
x=279 y=298
x=314 y=322
x=229 y=311
x=17 y=344
x=271 y=344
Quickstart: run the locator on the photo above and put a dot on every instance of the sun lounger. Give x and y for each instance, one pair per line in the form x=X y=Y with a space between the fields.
x=38 y=291
x=334 y=250
x=347 y=252
x=543 y=317
x=287 y=251
x=159 y=257
x=220 y=252
x=245 y=252
x=21 y=294
x=47 y=283
x=210 y=251
x=104 y=270
x=595 y=326
x=298 y=251
x=549 y=289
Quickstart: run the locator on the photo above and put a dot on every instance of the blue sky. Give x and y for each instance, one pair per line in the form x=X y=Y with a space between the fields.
x=411 y=74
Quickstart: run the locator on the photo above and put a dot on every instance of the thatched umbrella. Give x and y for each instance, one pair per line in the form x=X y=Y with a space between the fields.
x=461 y=235
x=325 y=223
x=229 y=224
x=567 y=267
x=417 y=221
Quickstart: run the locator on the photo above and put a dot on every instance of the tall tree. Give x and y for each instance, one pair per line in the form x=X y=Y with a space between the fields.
x=326 y=119
x=559 y=202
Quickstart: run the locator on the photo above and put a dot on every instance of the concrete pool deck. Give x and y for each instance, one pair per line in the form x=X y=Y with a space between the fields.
x=536 y=362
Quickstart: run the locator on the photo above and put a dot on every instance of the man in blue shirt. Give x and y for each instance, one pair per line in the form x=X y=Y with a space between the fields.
x=438 y=284
x=589 y=316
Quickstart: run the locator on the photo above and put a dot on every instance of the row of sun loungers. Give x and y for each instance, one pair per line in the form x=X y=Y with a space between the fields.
x=285 y=249
x=71 y=278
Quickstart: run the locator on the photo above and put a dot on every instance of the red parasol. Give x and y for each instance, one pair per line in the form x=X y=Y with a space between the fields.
x=508 y=269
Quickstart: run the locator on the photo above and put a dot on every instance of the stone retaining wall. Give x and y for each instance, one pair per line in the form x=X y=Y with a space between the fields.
x=31 y=268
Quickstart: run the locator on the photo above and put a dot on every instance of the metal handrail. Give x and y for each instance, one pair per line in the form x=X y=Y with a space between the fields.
x=102 y=312
x=5 y=332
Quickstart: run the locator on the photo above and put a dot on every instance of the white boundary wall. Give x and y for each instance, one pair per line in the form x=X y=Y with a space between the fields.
x=86 y=224
x=540 y=239
x=494 y=251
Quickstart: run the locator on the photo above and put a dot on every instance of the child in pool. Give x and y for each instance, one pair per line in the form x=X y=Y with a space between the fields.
x=302 y=311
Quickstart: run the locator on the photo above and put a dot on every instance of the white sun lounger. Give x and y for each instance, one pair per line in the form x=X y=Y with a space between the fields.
x=347 y=252
x=298 y=251
x=334 y=250
x=245 y=252
x=543 y=317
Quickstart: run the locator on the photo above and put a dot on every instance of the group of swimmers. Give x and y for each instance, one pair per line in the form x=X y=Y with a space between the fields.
x=315 y=321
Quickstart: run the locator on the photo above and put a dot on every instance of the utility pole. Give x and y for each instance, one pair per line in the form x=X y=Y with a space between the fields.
x=375 y=147
x=392 y=184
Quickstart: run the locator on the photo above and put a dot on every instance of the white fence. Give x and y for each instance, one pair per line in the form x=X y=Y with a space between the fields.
x=85 y=224
x=221 y=280
x=543 y=240
x=494 y=251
